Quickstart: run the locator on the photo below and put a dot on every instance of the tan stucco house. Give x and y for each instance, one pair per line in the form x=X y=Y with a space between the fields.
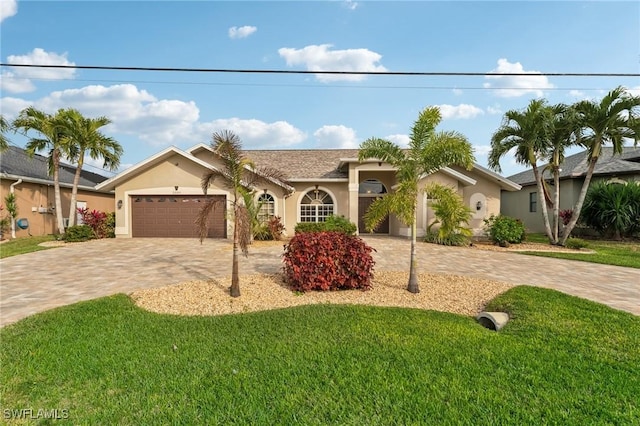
x=160 y=196
x=28 y=178
x=610 y=168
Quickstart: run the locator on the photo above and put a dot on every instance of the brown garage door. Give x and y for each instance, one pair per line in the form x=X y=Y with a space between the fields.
x=174 y=216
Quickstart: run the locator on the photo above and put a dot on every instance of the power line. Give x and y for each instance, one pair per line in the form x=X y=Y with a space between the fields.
x=268 y=71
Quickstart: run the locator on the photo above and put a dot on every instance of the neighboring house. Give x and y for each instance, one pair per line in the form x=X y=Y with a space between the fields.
x=161 y=196
x=29 y=179
x=524 y=204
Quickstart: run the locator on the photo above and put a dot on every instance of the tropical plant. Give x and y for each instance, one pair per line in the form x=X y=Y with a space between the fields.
x=331 y=223
x=240 y=176
x=429 y=151
x=51 y=132
x=613 y=121
x=527 y=132
x=4 y=127
x=504 y=230
x=83 y=137
x=451 y=214
x=12 y=209
x=613 y=209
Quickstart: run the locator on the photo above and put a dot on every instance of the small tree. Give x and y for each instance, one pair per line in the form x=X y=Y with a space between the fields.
x=240 y=176
x=12 y=210
x=451 y=214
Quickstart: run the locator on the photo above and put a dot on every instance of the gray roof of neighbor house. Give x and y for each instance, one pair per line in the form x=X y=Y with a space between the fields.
x=304 y=164
x=575 y=166
x=15 y=162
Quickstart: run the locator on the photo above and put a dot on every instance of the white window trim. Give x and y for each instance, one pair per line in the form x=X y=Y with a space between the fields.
x=275 y=201
x=313 y=188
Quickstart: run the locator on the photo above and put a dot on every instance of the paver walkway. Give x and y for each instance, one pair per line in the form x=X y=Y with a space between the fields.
x=43 y=280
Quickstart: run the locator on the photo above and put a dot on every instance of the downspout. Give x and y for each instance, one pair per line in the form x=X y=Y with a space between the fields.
x=13 y=220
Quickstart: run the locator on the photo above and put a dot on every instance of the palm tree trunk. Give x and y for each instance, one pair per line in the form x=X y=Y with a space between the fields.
x=74 y=190
x=235 y=275
x=57 y=194
x=413 y=286
x=556 y=205
x=578 y=206
x=543 y=203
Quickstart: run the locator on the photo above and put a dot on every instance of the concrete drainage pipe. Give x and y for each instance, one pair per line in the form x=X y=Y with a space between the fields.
x=493 y=320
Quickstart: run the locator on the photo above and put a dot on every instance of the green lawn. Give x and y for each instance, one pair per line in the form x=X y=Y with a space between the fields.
x=560 y=360
x=23 y=245
x=619 y=253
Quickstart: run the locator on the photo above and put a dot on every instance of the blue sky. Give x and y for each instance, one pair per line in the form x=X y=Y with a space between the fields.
x=153 y=110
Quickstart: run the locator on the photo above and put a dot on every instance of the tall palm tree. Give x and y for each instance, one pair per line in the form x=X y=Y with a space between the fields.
x=4 y=127
x=613 y=120
x=563 y=134
x=51 y=130
x=240 y=176
x=429 y=151
x=84 y=138
x=527 y=132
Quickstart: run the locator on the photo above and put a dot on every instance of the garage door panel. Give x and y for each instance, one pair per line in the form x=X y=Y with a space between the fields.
x=174 y=216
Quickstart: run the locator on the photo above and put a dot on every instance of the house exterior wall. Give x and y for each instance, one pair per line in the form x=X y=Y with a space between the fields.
x=39 y=196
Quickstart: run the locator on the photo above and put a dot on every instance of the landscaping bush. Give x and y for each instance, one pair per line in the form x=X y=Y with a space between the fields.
x=276 y=228
x=329 y=260
x=612 y=209
x=447 y=240
x=78 y=233
x=97 y=221
x=110 y=225
x=331 y=223
x=576 y=243
x=504 y=230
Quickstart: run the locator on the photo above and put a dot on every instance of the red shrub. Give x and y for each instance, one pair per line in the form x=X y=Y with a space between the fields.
x=328 y=261
x=96 y=220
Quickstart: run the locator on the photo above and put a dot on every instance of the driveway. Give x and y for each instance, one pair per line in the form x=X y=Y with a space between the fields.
x=47 y=279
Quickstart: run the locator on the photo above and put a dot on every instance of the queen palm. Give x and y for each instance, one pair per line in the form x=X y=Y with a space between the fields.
x=51 y=131
x=4 y=127
x=84 y=138
x=240 y=176
x=429 y=150
x=527 y=133
x=613 y=120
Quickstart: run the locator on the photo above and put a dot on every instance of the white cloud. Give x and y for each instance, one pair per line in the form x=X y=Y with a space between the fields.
x=11 y=107
x=12 y=84
x=350 y=4
x=494 y=110
x=241 y=32
x=332 y=136
x=457 y=91
x=510 y=86
x=18 y=80
x=462 y=111
x=399 y=139
x=8 y=8
x=635 y=91
x=577 y=94
x=322 y=58
x=482 y=150
x=255 y=134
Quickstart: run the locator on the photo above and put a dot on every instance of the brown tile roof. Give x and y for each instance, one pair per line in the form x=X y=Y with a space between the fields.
x=304 y=164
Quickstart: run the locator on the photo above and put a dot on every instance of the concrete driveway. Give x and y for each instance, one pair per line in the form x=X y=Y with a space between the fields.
x=47 y=279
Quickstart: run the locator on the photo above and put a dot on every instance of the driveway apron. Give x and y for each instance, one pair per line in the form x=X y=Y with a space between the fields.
x=39 y=281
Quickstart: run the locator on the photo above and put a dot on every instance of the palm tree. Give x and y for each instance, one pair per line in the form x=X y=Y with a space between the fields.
x=240 y=176
x=527 y=132
x=84 y=138
x=51 y=131
x=613 y=120
x=428 y=152
x=563 y=134
x=4 y=127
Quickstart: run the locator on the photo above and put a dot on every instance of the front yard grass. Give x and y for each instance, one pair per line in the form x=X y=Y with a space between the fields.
x=560 y=360
x=618 y=253
x=23 y=245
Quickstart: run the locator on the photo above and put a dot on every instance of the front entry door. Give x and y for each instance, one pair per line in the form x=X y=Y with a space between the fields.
x=363 y=206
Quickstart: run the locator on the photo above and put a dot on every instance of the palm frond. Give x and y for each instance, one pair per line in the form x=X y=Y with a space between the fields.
x=381 y=149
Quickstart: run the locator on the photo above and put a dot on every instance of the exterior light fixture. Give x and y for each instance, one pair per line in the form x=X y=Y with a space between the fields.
x=176 y=187
x=478 y=205
x=119 y=204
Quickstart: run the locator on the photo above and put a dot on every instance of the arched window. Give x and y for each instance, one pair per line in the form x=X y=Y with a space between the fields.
x=267 y=207
x=371 y=187
x=315 y=206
